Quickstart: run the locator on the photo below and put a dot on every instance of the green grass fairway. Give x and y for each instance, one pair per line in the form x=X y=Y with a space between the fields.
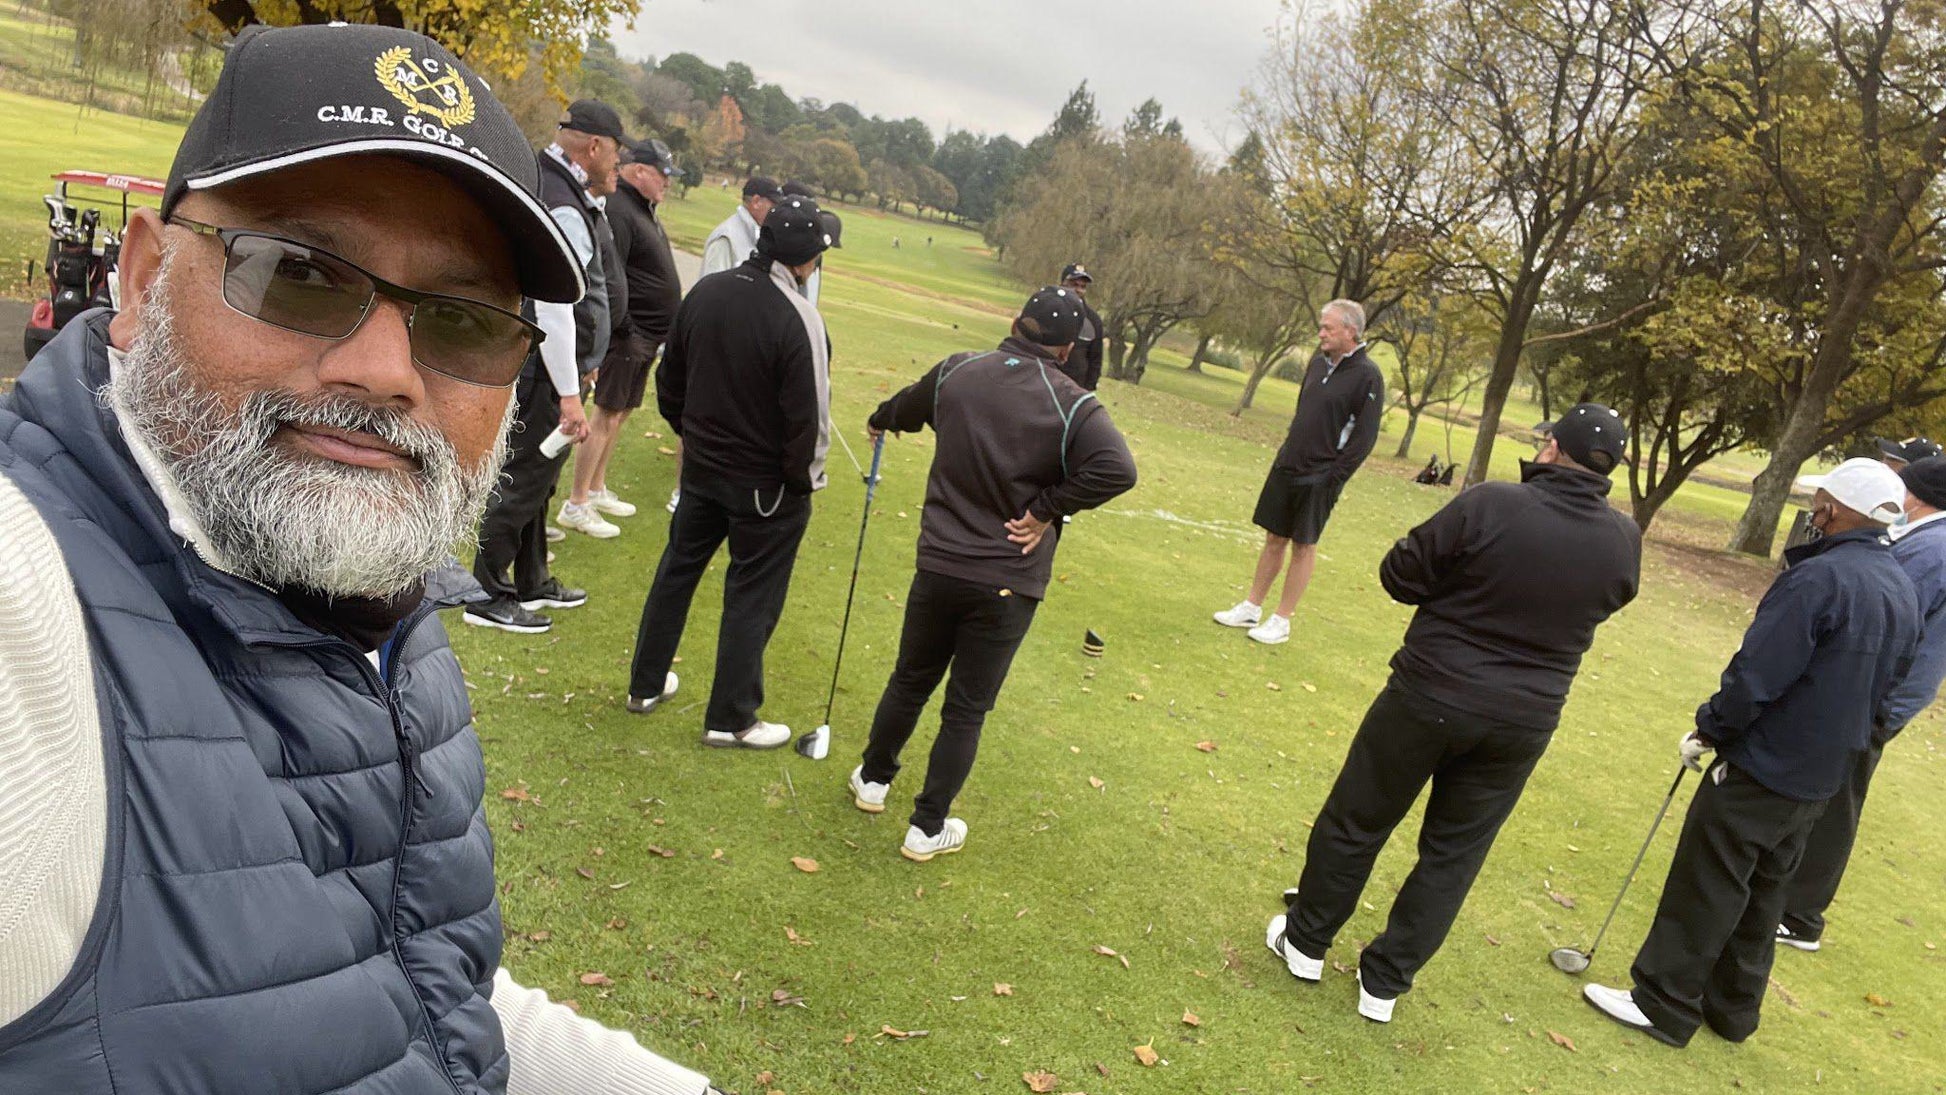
x=628 y=850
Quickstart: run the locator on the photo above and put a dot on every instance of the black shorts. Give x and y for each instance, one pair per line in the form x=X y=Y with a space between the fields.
x=1294 y=509
x=624 y=376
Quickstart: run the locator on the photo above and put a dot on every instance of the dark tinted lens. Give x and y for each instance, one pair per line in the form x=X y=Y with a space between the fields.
x=294 y=286
x=469 y=341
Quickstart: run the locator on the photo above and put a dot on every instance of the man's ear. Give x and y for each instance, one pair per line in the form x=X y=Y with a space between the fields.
x=1061 y=353
x=140 y=261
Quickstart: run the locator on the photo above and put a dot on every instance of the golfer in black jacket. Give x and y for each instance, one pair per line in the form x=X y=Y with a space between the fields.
x=1332 y=432
x=1510 y=580
x=1020 y=447
x=745 y=382
x=1083 y=363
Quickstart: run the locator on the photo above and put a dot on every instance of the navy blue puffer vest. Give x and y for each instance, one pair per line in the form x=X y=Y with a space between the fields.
x=299 y=893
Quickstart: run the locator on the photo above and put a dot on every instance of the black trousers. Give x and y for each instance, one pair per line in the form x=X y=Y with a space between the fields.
x=1816 y=882
x=973 y=630
x=513 y=532
x=1708 y=953
x=1477 y=768
x=763 y=529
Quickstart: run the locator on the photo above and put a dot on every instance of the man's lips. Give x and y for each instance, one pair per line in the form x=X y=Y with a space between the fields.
x=350 y=447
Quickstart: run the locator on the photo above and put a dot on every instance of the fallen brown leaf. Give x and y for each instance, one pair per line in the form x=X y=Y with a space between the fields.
x=661 y=851
x=790 y=933
x=805 y=864
x=1308 y=686
x=1001 y=988
x=1562 y=1040
x=1206 y=746
x=1147 y=1055
x=617 y=924
x=596 y=978
x=890 y=1031
x=1491 y=940
x=1136 y=696
x=1190 y=1019
x=585 y=873
x=1273 y=686
x=1108 y=953
x=665 y=450
x=1096 y=783
x=1560 y=899
x=1040 y=1081
x=1877 y=1001
x=517 y=794
x=541 y=936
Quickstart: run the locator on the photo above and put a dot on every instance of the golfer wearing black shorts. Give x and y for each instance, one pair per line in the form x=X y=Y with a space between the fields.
x=1020 y=446
x=1337 y=419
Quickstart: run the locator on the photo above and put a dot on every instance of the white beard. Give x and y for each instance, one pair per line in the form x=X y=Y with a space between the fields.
x=282 y=518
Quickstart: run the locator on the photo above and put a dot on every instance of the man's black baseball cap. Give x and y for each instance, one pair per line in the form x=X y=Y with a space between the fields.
x=1051 y=317
x=794 y=189
x=760 y=187
x=833 y=227
x=1925 y=479
x=1593 y=436
x=793 y=233
x=652 y=153
x=1076 y=270
x=296 y=95
x=596 y=119
x=1909 y=450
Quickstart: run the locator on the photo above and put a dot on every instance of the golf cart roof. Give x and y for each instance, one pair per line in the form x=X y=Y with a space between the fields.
x=131 y=184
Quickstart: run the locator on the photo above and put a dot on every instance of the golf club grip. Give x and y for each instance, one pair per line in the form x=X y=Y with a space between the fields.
x=871 y=480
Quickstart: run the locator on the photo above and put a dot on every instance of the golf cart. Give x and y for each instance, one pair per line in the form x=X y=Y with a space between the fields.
x=81 y=252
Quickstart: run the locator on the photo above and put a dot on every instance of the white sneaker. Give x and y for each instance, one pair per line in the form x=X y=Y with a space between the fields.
x=604 y=501
x=1275 y=630
x=1302 y=966
x=866 y=795
x=919 y=847
x=1619 y=1005
x=1788 y=938
x=1376 y=1008
x=644 y=705
x=1244 y=614
x=761 y=735
x=675 y=496
x=555 y=535
x=584 y=519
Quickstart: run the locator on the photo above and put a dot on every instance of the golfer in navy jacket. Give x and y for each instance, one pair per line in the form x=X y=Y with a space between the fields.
x=1832 y=638
x=1920 y=547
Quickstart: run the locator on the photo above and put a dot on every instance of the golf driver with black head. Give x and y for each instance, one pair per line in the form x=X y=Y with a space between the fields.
x=1570 y=960
x=817 y=743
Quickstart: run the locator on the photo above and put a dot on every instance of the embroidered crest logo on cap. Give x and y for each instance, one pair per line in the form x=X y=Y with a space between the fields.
x=412 y=81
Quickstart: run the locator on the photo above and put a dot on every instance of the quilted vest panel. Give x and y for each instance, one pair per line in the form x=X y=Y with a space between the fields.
x=298 y=894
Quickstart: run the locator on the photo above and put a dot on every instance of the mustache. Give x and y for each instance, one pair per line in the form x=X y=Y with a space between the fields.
x=264 y=412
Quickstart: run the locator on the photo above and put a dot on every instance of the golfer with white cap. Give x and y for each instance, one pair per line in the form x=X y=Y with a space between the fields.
x=1831 y=639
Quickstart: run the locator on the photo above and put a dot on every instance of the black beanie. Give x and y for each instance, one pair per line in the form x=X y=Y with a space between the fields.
x=1926 y=480
x=793 y=233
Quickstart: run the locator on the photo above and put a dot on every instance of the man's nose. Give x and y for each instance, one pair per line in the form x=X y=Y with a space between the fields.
x=375 y=362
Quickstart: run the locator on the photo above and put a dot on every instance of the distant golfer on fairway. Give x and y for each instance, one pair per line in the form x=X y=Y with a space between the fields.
x=1338 y=413
x=1510 y=580
x=1832 y=639
x=1019 y=447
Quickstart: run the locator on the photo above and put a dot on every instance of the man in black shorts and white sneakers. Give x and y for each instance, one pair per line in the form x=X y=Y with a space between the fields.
x=1337 y=419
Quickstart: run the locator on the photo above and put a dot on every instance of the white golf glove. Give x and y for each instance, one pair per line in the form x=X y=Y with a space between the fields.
x=1692 y=749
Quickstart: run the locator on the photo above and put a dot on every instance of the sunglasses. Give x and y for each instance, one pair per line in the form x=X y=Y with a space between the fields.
x=311 y=291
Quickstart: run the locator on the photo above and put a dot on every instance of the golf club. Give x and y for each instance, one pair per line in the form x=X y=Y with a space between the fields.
x=817 y=743
x=1570 y=960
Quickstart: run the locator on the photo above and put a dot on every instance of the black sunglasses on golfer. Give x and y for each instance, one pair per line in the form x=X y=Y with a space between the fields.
x=313 y=292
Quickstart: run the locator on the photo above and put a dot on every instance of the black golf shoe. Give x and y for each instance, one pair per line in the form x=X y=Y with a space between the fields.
x=507 y=614
x=555 y=595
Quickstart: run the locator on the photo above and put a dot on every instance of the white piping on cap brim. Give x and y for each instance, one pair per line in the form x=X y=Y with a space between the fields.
x=416 y=148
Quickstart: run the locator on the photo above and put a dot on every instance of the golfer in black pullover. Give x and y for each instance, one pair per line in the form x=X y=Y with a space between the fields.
x=1020 y=447
x=1510 y=580
x=745 y=382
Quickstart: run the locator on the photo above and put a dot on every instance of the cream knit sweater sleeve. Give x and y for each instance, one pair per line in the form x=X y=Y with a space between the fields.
x=54 y=820
x=53 y=798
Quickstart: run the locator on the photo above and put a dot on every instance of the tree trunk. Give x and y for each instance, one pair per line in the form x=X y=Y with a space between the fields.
x=1547 y=402
x=1506 y=362
x=1117 y=355
x=1196 y=359
x=1257 y=374
x=1411 y=427
x=1138 y=356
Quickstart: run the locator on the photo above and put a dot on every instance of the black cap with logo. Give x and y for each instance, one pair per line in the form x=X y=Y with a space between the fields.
x=1925 y=479
x=295 y=95
x=1912 y=448
x=760 y=187
x=651 y=153
x=1594 y=436
x=1076 y=270
x=1051 y=317
x=596 y=119
x=793 y=233
x=833 y=227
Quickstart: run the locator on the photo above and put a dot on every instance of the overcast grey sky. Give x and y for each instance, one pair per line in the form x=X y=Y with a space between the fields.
x=994 y=66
